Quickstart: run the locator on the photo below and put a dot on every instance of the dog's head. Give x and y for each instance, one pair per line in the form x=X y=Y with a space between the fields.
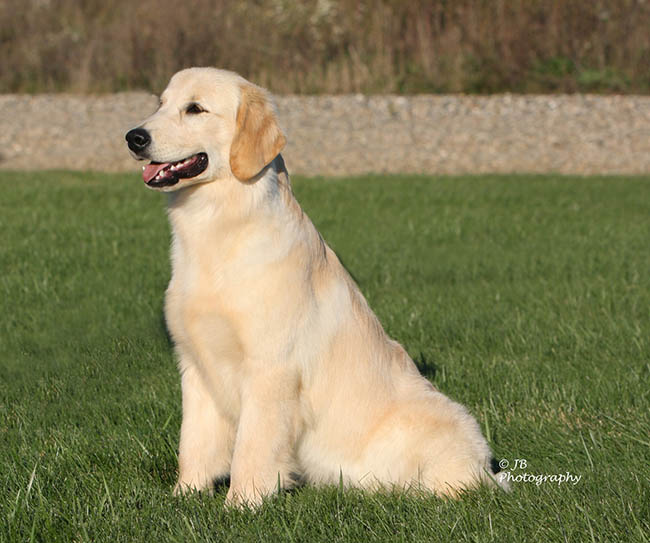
x=211 y=124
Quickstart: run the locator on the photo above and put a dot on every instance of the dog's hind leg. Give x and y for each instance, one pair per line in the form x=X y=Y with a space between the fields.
x=207 y=437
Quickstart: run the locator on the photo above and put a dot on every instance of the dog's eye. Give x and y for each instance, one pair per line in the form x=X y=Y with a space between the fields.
x=194 y=109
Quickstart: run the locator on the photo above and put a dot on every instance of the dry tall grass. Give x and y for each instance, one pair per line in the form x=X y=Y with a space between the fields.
x=330 y=46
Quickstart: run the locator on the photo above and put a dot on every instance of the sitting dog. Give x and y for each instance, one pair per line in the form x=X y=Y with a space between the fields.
x=285 y=370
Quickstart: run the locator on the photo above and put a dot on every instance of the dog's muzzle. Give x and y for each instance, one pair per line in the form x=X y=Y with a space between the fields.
x=163 y=174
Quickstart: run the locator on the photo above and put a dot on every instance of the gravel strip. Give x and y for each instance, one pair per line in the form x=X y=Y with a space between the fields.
x=330 y=135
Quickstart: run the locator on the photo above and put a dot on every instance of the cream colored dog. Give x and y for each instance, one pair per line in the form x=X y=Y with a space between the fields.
x=285 y=370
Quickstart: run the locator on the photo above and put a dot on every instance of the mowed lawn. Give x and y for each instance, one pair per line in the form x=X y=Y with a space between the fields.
x=527 y=298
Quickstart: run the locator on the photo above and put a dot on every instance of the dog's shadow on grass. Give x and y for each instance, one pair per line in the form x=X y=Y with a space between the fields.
x=221 y=485
x=165 y=331
x=426 y=366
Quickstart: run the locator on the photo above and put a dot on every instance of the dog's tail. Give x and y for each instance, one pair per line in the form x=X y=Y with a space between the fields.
x=500 y=477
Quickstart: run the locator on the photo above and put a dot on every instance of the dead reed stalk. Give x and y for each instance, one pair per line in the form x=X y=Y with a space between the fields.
x=328 y=46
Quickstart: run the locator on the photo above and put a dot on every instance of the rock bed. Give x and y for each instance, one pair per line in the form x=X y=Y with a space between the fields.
x=339 y=135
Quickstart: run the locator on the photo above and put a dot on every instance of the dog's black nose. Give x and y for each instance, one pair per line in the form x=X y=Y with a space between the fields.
x=138 y=139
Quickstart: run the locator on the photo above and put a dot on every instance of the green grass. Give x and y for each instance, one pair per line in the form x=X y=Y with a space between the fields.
x=525 y=297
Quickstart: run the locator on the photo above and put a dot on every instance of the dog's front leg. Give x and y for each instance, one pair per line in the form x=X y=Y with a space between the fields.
x=263 y=458
x=207 y=437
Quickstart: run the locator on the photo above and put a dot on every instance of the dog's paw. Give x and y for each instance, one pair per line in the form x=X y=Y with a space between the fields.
x=242 y=500
x=180 y=490
x=183 y=489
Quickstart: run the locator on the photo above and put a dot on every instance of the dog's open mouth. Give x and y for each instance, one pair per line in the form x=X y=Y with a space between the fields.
x=165 y=174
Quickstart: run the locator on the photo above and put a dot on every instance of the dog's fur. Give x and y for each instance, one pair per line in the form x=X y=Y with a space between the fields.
x=285 y=369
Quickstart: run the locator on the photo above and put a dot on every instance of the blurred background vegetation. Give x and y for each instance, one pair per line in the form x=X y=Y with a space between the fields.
x=330 y=46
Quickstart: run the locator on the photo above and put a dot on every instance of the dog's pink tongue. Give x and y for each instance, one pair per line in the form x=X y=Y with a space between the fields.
x=150 y=171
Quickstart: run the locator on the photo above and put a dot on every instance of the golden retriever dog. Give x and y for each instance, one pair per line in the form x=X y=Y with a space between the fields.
x=286 y=373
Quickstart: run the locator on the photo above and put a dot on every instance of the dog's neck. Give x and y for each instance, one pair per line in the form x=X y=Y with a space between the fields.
x=229 y=197
x=220 y=208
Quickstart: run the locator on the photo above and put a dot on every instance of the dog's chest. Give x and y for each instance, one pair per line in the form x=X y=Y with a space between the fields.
x=201 y=321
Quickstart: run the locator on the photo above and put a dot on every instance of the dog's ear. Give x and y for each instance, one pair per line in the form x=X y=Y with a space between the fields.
x=258 y=138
